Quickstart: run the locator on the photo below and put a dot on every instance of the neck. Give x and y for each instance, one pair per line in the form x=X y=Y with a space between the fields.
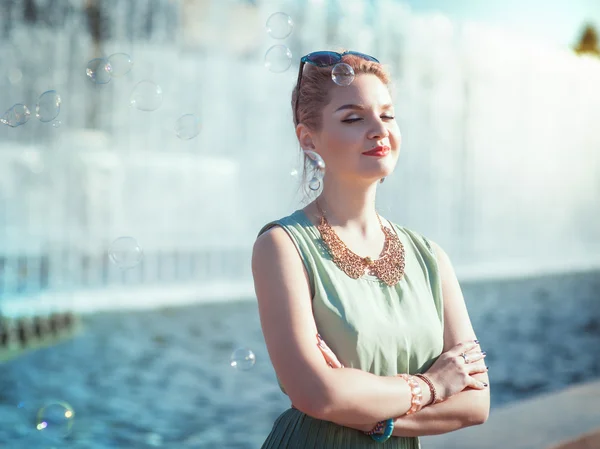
x=351 y=208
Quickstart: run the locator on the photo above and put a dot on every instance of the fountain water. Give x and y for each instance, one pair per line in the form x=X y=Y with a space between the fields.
x=499 y=161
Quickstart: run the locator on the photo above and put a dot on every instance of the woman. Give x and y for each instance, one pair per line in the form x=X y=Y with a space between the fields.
x=378 y=300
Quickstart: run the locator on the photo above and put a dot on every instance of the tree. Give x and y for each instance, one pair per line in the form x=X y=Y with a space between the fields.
x=588 y=43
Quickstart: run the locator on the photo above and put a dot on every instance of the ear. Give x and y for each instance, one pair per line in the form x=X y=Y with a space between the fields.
x=305 y=137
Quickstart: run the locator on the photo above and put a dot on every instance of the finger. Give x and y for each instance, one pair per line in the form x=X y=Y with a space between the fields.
x=475 y=355
x=477 y=384
x=477 y=368
x=471 y=356
x=327 y=352
x=330 y=357
x=331 y=362
x=464 y=346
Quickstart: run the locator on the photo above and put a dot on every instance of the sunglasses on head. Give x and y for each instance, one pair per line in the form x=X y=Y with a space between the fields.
x=325 y=59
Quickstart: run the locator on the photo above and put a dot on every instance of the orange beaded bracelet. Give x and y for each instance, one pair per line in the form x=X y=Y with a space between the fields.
x=416 y=402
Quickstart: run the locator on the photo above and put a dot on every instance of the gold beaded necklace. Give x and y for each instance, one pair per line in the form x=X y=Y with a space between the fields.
x=389 y=267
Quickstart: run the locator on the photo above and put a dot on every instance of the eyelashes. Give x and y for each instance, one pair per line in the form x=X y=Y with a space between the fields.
x=352 y=120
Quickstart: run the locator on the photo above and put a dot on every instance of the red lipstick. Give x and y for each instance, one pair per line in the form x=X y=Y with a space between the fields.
x=379 y=151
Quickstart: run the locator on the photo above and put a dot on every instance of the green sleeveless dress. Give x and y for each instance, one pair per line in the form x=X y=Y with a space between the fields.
x=368 y=325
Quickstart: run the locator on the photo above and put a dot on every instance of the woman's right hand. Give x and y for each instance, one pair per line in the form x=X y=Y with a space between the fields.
x=451 y=374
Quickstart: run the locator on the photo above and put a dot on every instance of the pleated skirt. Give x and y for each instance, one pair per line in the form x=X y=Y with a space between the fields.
x=294 y=429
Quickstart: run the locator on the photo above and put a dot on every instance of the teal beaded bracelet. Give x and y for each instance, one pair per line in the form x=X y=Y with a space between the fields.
x=387 y=432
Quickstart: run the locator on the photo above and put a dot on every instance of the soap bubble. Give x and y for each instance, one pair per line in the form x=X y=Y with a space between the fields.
x=17 y=115
x=187 y=126
x=146 y=96
x=55 y=419
x=279 y=25
x=119 y=64
x=342 y=74
x=314 y=184
x=125 y=252
x=315 y=160
x=96 y=71
x=15 y=75
x=278 y=58
x=243 y=359
x=56 y=123
x=48 y=106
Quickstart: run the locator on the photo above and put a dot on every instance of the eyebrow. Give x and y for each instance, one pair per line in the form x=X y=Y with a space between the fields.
x=360 y=107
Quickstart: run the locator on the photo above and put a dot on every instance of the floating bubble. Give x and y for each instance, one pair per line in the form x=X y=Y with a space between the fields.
x=96 y=71
x=55 y=419
x=243 y=359
x=119 y=64
x=56 y=123
x=17 y=115
x=278 y=58
x=314 y=184
x=279 y=25
x=48 y=106
x=15 y=76
x=315 y=160
x=125 y=252
x=146 y=96
x=187 y=126
x=342 y=74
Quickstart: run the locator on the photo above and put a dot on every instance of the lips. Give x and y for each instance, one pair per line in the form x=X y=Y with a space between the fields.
x=380 y=150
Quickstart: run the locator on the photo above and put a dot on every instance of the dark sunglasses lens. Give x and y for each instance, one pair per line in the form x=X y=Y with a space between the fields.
x=362 y=55
x=323 y=58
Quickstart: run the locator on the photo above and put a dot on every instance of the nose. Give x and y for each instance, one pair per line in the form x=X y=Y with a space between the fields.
x=378 y=130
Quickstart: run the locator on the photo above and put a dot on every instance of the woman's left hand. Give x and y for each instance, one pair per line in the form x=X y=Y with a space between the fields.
x=330 y=357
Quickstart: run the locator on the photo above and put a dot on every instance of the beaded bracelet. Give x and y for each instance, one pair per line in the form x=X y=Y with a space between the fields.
x=416 y=402
x=379 y=428
x=387 y=432
x=431 y=388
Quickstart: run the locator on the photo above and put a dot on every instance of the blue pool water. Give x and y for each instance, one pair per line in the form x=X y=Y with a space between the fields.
x=163 y=379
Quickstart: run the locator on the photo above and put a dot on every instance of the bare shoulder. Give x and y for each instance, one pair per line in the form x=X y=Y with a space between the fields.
x=271 y=241
x=274 y=250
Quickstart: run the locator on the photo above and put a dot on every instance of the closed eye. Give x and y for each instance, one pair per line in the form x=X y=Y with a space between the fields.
x=352 y=120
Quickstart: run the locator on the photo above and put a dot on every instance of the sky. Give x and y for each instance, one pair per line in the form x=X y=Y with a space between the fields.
x=558 y=22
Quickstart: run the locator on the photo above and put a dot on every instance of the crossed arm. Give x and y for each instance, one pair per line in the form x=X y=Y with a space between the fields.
x=468 y=408
x=471 y=406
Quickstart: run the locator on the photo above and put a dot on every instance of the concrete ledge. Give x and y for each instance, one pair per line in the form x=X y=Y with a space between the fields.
x=588 y=441
x=538 y=423
x=128 y=298
x=25 y=334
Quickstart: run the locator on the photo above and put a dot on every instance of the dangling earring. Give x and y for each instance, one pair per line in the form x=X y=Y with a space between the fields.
x=381 y=180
